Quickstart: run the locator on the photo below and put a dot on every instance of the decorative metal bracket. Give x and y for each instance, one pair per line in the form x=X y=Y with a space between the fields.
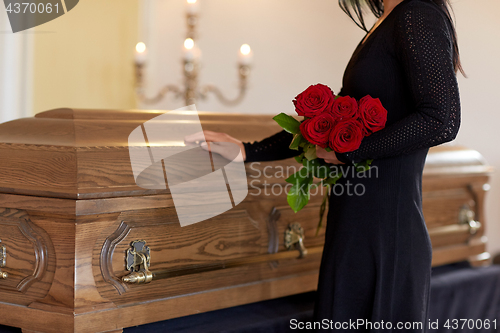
x=3 y=261
x=137 y=262
x=294 y=237
x=466 y=216
x=191 y=91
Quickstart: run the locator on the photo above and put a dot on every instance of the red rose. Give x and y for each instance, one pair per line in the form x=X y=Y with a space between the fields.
x=345 y=107
x=346 y=136
x=314 y=100
x=317 y=130
x=372 y=114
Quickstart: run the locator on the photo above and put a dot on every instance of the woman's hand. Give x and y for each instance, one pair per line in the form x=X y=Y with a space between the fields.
x=215 y=143
x=329 y=157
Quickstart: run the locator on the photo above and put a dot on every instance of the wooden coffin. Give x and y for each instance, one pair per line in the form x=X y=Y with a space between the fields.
x=72 y=219
x=455 y=182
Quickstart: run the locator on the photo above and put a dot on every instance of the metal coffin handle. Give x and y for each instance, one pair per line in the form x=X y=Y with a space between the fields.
x=3 y=261
x=466 y=216
x=138 y=260
x=294 y=237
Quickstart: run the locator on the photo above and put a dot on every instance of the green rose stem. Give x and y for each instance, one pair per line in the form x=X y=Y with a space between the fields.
x=326 y=199
x=302 y=181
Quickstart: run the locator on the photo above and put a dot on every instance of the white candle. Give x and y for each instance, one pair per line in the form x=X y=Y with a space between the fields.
x=192 y=7
x=245 y=55
x=189 y=50
x=141 y=53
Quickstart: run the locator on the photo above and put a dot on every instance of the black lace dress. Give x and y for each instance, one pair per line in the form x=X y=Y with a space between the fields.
x=376 y=261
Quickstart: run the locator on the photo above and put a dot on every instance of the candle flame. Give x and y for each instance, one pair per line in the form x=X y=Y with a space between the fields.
x=140 y=47
x=191 y=1
x=189 y=43
x=245 y=49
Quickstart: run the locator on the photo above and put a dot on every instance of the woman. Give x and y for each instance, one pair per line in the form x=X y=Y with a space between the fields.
x=376 y=262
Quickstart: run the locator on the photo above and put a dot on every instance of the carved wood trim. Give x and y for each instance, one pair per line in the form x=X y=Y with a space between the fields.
x=19 y=218
x=28 y=146
x=41 y=258
x=476 y=208
x=272 y=229
x=106 y=257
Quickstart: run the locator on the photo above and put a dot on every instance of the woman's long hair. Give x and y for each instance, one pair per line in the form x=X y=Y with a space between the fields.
x=377 y=8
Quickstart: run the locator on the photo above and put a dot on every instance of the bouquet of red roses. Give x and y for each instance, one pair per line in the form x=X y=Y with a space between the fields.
x=335 y=123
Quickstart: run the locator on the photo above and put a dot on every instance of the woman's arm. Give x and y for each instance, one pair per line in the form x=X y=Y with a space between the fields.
x=272 y=148
x=426 y=52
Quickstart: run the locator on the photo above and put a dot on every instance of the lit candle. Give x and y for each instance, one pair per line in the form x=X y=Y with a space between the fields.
x=140 y=53
x=245 y=55
x=192 y=7
x=189 y=51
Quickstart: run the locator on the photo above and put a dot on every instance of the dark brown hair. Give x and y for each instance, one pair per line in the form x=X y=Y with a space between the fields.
x=377 y=8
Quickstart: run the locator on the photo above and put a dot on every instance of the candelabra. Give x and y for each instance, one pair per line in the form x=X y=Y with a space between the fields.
x=191 y=91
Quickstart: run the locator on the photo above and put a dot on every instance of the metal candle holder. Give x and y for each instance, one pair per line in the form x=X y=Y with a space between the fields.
x=191 y=92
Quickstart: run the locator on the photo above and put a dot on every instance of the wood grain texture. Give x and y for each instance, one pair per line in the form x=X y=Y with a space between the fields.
x=28 y=261
x=111 y=319
x=74 y=153
x=85 y=154
x=70 y=208
x=202 y=302
x=458 y=252
x=231 y=237
x=106 y=257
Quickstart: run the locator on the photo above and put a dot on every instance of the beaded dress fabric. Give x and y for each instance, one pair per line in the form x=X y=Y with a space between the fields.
x=376 y=261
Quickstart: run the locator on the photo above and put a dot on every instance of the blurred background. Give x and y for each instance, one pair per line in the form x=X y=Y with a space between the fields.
x=85 y=59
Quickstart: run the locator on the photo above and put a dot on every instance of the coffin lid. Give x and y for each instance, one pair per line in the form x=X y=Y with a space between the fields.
x=83 y=154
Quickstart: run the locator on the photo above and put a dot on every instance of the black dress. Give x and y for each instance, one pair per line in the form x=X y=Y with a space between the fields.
x=376 y=261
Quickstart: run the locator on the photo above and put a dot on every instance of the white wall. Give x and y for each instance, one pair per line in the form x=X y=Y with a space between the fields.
x=84 y=59
x=478 y=29
x=295 y=43
x=16 y=68
x=299 y=42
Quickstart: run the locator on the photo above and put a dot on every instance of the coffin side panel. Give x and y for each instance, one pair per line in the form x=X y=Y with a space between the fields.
x=29 y=261
x=193 y=258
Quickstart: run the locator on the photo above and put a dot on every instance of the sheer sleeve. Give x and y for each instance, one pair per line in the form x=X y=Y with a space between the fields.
x=425 y=50
x=272 y=148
